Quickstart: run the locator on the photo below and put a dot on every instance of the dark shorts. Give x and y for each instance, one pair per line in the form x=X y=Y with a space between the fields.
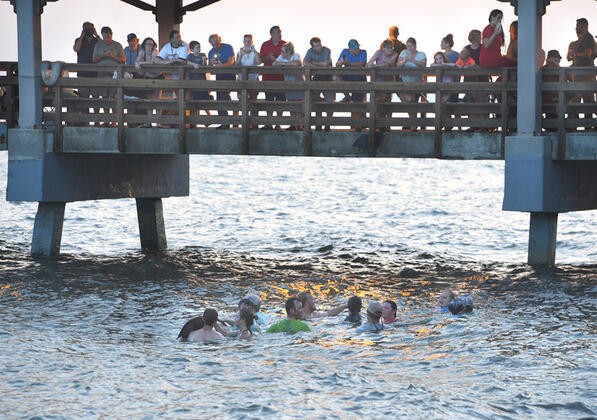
x=275 y=96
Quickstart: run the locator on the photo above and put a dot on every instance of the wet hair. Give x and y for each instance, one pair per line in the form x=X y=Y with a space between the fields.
x=583 y=22
x=315 y=40
x=273 y=28
x=149 y=39
x=210 y=316
x=190 y=326
x=355 y=304
x=248 y=317
x=291 y=302
x=303 y=296
x=106 y=30
x=392 y=305
x=172 y=33
x=475 y=33
x=193 y=43
x=448 y=39
x=412 y=41
x=494 y=13
x=245 y=301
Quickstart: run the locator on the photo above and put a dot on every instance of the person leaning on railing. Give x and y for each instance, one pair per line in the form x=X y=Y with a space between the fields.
x=353 y=57
x=411 y=58
x=289 y=58
x=385 y=57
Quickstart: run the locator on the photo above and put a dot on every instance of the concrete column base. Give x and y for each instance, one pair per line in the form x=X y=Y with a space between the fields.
x=542 y=238
x=47 y=229
x=152 y=230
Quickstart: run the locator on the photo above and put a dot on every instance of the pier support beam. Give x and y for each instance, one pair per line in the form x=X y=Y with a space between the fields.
x=152 y=230
x=542 y=238
x=47 y=229
x=29 y=41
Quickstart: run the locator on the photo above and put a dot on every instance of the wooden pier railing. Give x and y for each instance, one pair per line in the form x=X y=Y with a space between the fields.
x=119 y=99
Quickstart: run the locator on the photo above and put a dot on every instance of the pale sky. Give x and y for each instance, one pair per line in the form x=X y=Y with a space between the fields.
x=334 y=21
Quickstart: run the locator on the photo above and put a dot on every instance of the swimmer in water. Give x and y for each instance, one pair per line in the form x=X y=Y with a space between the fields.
x=355 y=304
x=445 y=298
x=461 y=305
x=190 y=326
x=388 y=312
x=374 y=311
x=310 y=310
x=208 y=332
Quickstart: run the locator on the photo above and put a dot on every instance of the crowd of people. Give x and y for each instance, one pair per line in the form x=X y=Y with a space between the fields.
x=484 y=50
x=300 y=309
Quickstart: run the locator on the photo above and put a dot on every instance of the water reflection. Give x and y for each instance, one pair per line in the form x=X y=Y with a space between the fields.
x=96 y=336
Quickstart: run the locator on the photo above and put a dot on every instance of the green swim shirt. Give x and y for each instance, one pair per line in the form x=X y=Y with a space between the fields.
x=288 y=326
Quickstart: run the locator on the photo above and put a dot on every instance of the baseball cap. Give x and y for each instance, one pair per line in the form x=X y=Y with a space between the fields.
x=131 y=36
x=354 y=44
x=254 y=299
x=374 y=308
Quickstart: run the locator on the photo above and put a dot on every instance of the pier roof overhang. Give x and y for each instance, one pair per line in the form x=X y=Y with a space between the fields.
x=175 y=6
x=541 y=5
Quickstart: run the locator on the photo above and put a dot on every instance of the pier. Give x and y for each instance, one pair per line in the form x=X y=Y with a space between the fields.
x=135 y=142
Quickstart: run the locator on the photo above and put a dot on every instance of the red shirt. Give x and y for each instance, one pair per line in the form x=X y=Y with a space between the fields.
x=267 y=48
x=491 y=57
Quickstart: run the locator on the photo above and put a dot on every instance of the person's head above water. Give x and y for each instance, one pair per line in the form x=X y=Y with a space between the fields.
x=389 y=309
x=374 y=311
x=355 y=304
x=308 y=302
x=210 y=317
x=461 y=305
x=255 y=301
x=294 y=308
x=446 y=297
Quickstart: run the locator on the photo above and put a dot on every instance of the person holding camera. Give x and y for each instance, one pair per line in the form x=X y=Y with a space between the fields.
x=221 y=55
x=84 y=46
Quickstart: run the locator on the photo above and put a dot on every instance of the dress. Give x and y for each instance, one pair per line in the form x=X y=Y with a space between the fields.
x=491 y=57
x=412 y=78
x=288 y=326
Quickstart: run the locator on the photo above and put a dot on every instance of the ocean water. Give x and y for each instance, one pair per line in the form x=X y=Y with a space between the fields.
x=93 y=333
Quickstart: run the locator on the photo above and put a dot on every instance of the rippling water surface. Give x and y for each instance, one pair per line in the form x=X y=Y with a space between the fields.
x=92 y=334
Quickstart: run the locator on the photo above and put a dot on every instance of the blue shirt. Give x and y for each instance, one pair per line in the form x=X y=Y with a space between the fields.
x=224 y=53
x=361 y=57
x=130 y=55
